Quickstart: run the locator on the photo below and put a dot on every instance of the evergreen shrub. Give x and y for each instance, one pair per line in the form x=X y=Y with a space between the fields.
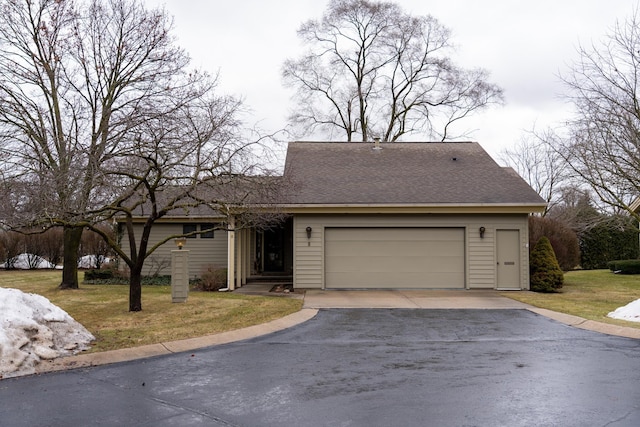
x=545 y=272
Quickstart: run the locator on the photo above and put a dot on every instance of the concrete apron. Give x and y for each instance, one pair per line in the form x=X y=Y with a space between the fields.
x=449 y=299
x=478 y=299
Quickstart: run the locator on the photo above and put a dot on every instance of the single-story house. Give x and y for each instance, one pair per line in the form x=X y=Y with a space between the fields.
x=378 y=216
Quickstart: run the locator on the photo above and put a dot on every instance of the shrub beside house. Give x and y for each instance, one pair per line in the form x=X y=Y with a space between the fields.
x=545 y=272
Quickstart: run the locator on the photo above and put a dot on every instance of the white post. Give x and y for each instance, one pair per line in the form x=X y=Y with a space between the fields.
x=231 y=252
x=239 y=259
x=246 y=265
x=243 y=257
x=179 y=275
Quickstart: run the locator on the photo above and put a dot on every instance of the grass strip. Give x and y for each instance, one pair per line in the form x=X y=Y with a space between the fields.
x=590 y=294
x=103 y=310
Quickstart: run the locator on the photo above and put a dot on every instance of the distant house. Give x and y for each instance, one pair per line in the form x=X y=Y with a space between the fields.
x=380 y=216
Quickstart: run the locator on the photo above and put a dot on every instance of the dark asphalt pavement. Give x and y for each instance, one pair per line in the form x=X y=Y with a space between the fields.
x=358 y=367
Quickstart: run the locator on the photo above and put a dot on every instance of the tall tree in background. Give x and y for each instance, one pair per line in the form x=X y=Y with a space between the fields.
x=539 y=164
x=602 y=145
x=373 y=70
x=76 y=79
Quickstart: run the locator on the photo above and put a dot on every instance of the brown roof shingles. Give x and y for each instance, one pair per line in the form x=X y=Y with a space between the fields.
x=336 y=173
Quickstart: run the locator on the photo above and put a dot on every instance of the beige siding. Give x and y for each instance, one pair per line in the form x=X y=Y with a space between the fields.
x=480 y=254
x=308 y=252
x=481 y=261
x=202 y=252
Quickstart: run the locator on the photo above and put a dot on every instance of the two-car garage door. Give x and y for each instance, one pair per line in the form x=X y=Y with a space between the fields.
x=384 y=258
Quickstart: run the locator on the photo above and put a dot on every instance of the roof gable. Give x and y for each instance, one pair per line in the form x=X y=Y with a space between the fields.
x=330 y=173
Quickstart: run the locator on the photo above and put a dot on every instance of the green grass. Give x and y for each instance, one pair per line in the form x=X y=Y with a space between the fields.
x=590 y=294
x=103 y=310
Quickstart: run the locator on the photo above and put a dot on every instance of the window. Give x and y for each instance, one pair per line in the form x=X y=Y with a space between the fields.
x=205 y=229
x=189 y=228
x=206 y=234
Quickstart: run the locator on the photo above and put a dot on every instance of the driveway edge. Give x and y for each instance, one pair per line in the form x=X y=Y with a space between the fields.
x=590 y=325
x=151 y=350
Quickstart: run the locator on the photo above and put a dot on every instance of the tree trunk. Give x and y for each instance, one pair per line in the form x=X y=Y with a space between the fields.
x=135 y=288
x=71 y=245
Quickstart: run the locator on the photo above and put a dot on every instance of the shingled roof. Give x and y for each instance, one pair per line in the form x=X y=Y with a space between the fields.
x=341 y=173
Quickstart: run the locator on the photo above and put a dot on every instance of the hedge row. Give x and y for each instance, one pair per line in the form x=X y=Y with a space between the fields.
x=114 y=277
x=625 y=266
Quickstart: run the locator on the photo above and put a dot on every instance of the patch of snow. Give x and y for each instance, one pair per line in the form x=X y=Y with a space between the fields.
x=90 y=261
x=33 y=329
x=630 y=312
x=29 y=261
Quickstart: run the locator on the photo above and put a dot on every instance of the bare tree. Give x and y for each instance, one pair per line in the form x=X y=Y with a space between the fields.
x=603 y=142
x=51 y=243
x=535 y=159
x=189 y=158
x=33 y=249
x=95 y=247
x=76 y=78
x=11 y=244
x=101 y=117
x=373 y=70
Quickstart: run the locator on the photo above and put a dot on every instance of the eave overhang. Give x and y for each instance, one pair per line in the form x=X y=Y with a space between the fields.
x=470 y=208
x=175 y=219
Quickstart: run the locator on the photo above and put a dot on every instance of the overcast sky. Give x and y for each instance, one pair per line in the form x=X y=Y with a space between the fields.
x=523 y=44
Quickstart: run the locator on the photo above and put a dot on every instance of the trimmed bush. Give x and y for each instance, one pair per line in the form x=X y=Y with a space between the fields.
x=625 y=266
x=156 y=280
x=545 y=273
x=103 y=274
x=112 y=276
x=211 y=279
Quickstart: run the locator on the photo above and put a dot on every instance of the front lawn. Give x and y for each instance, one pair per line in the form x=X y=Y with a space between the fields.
x=590 y=294
x=103 y=310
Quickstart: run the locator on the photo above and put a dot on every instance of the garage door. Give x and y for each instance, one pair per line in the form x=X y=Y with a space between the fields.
x=404 y=258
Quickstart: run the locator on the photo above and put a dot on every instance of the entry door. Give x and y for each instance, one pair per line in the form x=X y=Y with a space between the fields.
x=273 y=250
x=508 y=259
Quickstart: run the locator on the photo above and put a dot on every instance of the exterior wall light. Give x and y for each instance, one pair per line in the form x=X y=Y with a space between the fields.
x=482 y=230
x=180 y=242
x=309 y=229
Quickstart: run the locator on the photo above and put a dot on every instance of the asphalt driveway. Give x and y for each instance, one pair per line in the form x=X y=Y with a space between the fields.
x=358 y=367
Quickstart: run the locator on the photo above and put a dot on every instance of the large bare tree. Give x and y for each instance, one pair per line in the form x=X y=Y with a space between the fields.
x=76 y=79
x=190 y=157
x=373 y=70
x=536 y=160
x=602 y=143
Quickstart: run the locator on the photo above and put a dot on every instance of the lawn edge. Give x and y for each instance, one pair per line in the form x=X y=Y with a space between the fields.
x=184 y=345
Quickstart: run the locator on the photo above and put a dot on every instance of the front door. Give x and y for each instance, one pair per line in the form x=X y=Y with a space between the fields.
x=508 y=259
x=274 y=249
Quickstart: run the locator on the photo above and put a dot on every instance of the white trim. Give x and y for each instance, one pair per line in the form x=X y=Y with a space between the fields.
x=231 y=251
x=416 y=208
